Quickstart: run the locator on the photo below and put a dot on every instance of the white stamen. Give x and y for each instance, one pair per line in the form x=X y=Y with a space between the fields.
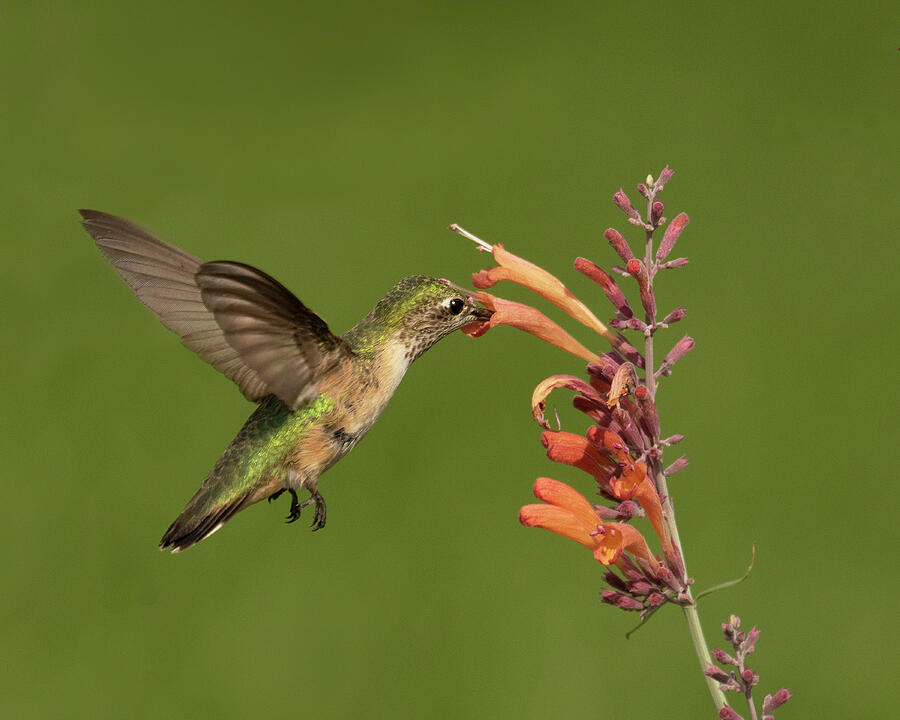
x=482 y=245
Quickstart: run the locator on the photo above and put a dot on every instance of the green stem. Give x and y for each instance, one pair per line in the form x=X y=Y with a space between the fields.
x=693 y=621
x=690 y=611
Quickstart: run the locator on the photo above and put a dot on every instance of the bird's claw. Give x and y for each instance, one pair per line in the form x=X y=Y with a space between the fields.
x=318 y=517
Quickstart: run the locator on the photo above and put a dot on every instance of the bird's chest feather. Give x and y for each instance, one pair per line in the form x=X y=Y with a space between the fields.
x=358 y=399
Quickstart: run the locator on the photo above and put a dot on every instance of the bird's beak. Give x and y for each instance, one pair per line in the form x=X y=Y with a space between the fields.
x=481 y=324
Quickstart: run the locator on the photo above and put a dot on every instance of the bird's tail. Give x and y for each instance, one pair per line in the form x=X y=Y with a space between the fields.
x=201 y=517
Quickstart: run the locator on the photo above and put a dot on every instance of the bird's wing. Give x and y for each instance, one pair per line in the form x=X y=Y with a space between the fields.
x=276 y=335
x=166 y=280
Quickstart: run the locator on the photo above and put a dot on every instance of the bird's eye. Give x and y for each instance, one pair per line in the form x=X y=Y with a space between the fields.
x=456 y=306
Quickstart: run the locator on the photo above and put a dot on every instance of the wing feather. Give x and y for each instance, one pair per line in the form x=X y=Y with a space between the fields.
x=240 y=320
x=163 y=278
x=275 y=334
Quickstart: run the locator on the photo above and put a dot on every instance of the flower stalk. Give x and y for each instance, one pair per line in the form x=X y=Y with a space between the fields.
x=623 y=451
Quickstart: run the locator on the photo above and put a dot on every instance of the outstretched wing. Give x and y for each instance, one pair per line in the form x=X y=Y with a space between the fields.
x=275 y=334
x=165 y=279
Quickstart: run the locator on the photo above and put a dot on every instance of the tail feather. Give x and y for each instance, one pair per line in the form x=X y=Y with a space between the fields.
x=192 y=525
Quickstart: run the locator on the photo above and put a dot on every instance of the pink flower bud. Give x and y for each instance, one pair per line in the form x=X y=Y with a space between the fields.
x=615 y=581
x=610 y=288
x=619 y=244
x=681 y=348
x=630 y=351
x=673 y=232
x=607 y=514
x=631 y=323
x=674 y=316
x=677 y=263
x=621 y=601
x=642 y=189
x=716 y=673
x=749 y=644
x=638 y=270
x=664 y=177
x=677 y=466
x=722 y=657
x=624 y=204
x=729 y=713
x=606 y=368
x=773 y=702
x=628 y=509
x=649 y=415
x=640 y=587
x=656 y=211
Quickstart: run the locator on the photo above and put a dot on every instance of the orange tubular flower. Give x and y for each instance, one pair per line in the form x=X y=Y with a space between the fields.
x=633 y=482
x=568 y=513
x=518 y=270
x=578 y=451
x=527 y=318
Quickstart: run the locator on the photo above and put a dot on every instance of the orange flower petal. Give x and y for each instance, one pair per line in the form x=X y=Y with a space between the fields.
x=625 y=485
x=648 y=498
x=477 y=328
x=533 y=321
x=575 y=450
x=557 y=520
x=619 y=537
x=518 y=270
x=566 y=497
x=553 y=382
x=615 y=445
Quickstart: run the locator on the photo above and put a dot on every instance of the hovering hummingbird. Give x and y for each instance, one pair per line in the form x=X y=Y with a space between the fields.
x=318 y=393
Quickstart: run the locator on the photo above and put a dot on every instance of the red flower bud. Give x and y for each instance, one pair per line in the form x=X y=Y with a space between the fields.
x=619 y=244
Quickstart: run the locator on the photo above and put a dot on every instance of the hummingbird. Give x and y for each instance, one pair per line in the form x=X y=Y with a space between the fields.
x=318 y=393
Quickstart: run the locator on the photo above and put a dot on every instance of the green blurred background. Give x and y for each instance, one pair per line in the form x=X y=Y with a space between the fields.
x=331 y=144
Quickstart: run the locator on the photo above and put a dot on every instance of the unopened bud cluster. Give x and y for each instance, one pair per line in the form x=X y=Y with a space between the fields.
x=740 y=678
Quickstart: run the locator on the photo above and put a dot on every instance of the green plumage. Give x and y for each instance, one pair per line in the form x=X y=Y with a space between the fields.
x=253 y=459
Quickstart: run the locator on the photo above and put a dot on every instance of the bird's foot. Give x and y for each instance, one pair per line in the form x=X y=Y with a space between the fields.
x=275 y=495
x=318 y=517
x=296 y=507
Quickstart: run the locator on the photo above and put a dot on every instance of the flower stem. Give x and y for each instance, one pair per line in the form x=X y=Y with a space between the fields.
x=693 y=621
x=690 y=609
